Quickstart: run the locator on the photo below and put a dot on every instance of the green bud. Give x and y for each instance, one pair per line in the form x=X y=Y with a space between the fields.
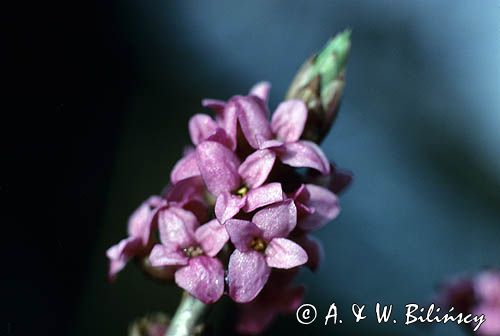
x=320 y=84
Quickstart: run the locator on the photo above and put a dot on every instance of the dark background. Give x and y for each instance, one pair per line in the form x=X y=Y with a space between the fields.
x=96 y=100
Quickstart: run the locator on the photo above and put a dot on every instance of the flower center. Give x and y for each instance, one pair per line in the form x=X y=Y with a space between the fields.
x=192 y=251
x=242 y=191
x=258 y=244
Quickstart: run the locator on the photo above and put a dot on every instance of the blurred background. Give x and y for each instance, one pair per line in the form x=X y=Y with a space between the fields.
x=100 y=96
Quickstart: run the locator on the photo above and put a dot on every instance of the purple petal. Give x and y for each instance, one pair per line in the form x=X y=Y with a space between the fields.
x=167 y=255
x=252 y=115
x=284 y=253
x=218 y=166
x=247 y=275
x=185 y=168
x=256 y=168
x=314 y=250
x=177 y=226
x=140 y=220
x=185 y=190
x=212 y=237
x=326 y=208
x=491 y=325
x=487 y=287
x=261 y=90
x=214 y=104
x=121 y=253
x=277 y=220
x=305 y=154
x=254 y=318
x=301 y=196
x=227 y=120
x=267 y=194
x=228 y=205
x=203 y=278
x=340 y=179
x=241 y=233
x=289 y=119
x=222 y=137
x=275 y=145
x=201 y=126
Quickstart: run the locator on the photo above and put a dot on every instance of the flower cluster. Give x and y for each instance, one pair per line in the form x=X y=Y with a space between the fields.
x=477 y=295
x=237 y=214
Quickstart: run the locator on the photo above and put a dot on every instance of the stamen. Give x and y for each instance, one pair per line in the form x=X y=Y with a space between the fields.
x=192 y=251
x=242 y=191
x=258 y=244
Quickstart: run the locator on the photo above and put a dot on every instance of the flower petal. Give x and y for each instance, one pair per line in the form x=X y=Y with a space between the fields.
x=185 y=168
x=177 y=226
x=487 y=287
x=241 y=233
x=228 y=205
x=185 y=190
x=256 y=168
x=227 y=120
x=201 y=126
x=121 y=253
x=261 y=90
x=326 y=208
x=167 y=255
x=139 y=223
x=289 y=119
x=284 y=253
x=491 y=325
x=305 y=154
x=214 y=104
x=275 y=145
x=267 y=194
x=142 y=221
x=247 y=275
x=252 y=115
x=203 y=278
x=218 y=166
x=313 y=248
x=277 y=220
x=222 y=137
x=212 y=237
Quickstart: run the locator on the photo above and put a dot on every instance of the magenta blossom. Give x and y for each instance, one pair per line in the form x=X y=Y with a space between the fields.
x=261 y=244
x=138 y=241
x=193 y=247
x=477 y=295
x=280 y=138
x=239 y=178
x=235 y=186
x=487 y=290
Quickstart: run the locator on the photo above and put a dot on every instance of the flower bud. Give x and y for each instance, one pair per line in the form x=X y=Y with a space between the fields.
x=320 y=83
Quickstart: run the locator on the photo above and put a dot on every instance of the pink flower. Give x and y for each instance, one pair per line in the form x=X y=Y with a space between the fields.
x=487 y=290
x=138 y=241
x=223 y=129
x=477 y=295
x=235 y=186
x=280 y=138
x=239 y=178
x=193 y=247
x=261 y=244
